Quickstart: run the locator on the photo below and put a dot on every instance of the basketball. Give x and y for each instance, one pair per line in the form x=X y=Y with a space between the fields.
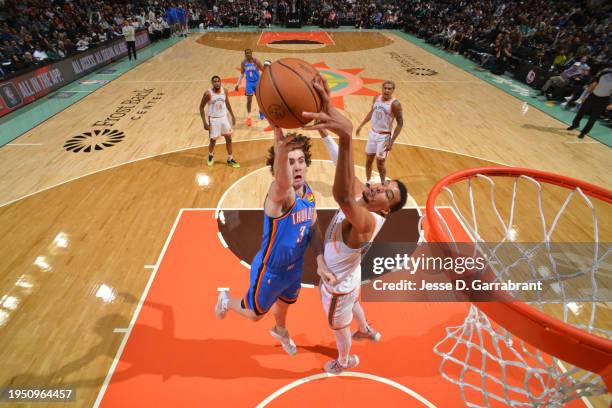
x=285 y=90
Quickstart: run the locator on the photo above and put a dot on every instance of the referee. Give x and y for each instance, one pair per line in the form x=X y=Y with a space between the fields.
x=595 y=104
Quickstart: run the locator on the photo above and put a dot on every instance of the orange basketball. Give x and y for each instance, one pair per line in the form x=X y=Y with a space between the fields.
x=285 y=90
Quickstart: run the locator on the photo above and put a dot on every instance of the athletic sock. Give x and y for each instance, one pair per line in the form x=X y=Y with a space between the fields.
x=343 y=342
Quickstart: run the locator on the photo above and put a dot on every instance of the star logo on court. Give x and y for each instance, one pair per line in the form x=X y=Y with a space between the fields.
x=342 y=82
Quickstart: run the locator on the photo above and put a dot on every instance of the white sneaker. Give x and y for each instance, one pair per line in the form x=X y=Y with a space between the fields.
x=371 y=335
x=285 y=341
x=221 y=306
x=334 y=366
x=564 y=104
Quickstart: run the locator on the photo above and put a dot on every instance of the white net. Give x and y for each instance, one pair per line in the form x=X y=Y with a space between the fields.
x=490 y=365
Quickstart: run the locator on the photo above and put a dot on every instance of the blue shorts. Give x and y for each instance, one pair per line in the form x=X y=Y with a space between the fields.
x=250 y=88
x=268 y=285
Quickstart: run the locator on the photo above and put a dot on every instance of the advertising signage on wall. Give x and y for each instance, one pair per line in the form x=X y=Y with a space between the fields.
x=26 y=88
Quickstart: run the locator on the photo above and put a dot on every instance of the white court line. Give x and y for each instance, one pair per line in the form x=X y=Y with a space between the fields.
x=321 y=376
x=221 y=239
x=245 y=264
x=307 y=285
x=150 y=266
x=23 y=144
x=111 y=370
x=120 y=330
x=222 y=289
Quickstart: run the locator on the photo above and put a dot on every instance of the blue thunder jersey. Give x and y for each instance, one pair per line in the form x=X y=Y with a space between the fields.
x=285 y=238
x=251 y=71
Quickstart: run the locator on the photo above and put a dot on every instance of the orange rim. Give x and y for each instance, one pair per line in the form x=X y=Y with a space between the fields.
x=580 y=348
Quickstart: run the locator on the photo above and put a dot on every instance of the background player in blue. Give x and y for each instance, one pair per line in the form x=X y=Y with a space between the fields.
x=289 y=225
x=249 y=69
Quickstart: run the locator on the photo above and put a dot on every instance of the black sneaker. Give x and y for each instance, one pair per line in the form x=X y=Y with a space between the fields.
x=572 y=127
x=581 y=136
x=233 y=163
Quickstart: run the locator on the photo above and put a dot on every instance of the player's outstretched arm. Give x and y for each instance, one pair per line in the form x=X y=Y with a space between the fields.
x=332 y=150
x=203 y=102
x=331 y=119
x=281 y=189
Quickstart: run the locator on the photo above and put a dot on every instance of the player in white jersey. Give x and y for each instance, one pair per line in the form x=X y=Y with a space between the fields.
x=385 y=109
x=217 y=123
x=361 y=215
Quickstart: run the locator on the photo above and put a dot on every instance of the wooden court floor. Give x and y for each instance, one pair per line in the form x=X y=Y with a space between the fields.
x=83 y=232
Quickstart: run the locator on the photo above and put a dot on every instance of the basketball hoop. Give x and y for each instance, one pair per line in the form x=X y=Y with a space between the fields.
x=552 y=360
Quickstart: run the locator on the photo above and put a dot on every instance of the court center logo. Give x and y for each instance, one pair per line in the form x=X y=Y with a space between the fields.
x=96 y=140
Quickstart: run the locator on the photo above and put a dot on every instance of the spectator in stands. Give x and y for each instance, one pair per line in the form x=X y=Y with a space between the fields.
x=39 y=53
x=130 y=38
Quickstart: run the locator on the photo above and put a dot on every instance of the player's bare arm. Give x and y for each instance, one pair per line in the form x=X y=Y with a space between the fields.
x=367 y=118
x=203 y=102
x=396 y=108
x=332 y=150
x=241 y=76
x=362 y=222
x=229 y=107
x=280 y=194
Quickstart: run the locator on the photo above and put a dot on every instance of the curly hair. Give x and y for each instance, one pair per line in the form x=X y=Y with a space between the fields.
x=301 y=142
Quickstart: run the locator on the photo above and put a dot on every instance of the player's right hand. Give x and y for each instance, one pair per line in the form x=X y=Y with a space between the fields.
x=206 y=126
x=329 y=118
x=357 y=131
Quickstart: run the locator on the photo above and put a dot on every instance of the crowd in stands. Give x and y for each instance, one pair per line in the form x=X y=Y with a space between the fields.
x=565 y=40
x=36 y=32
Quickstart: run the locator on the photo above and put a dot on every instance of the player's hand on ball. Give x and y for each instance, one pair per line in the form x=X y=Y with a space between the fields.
x=329 y=118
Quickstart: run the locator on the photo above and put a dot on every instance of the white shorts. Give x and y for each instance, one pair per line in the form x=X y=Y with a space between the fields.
x=219 y=127
x=377 y=143
x=339 y=307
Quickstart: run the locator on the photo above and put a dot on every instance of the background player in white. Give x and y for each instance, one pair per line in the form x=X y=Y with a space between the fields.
x=385 y=108
x=217 y=123
x=361 y=215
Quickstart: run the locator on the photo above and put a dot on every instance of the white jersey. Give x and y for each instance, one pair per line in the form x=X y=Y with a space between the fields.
x=382 y=115
x=216 y=106
x=342 y=261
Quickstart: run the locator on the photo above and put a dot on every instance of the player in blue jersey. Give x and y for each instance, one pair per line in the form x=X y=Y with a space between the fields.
x=249 y=69
x=289 y=226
